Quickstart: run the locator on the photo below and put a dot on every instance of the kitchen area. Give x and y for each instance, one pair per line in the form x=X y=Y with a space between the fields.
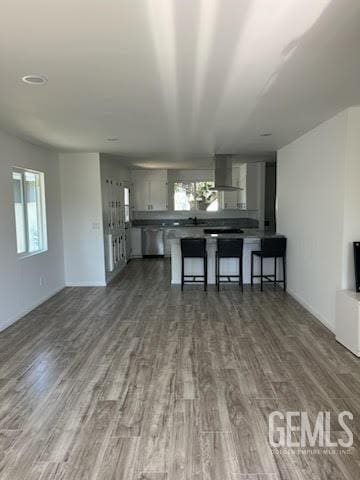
x=236 y=199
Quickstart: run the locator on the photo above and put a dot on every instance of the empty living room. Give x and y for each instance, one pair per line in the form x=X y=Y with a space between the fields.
x=180 y=240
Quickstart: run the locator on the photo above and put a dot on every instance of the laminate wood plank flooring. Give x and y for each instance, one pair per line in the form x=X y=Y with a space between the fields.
x=140 y=381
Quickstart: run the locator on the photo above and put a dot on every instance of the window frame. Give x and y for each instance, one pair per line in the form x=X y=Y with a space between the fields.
x=127 y=206
x=194 y=184
x=41 y=212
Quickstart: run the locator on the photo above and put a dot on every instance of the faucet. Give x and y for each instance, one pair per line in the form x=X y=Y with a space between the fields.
x=194 y=220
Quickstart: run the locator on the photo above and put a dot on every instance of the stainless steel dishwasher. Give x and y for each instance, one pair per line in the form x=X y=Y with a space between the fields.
x=152 y=242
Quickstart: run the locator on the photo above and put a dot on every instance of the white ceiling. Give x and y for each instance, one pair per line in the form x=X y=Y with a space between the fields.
x=176 y=80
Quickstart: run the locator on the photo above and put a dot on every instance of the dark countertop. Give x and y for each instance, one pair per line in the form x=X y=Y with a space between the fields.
x=168 y=225
x=249 y=234
x=201 y=226
x=177 y=231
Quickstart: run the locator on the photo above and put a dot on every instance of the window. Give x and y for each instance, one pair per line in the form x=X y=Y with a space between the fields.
x=195 y=196
x=30 y=218
x=127 y=204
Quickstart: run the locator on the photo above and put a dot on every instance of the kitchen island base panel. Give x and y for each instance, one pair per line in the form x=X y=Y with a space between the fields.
x=228 y=266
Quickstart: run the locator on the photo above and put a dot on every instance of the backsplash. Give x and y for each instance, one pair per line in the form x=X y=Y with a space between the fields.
x=173 y=215
x=209 y=222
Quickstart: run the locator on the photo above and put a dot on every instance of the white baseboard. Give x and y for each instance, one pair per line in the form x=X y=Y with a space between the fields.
x=308 y=307
x=85 y=284
x=24 y=312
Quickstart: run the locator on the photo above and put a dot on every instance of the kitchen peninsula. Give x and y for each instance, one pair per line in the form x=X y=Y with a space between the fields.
x=194 y=266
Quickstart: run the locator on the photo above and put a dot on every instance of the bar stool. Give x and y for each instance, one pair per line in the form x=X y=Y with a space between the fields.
x=270 y=248
x=193 y=248
x=229 y=248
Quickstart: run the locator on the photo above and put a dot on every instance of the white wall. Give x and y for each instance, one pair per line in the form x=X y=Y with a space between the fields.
x=310 y=213
x=82 y=219
x=111 y=166
x=20 y=289
x=351 y=226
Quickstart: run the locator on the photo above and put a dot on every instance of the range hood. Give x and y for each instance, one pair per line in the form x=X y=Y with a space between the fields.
x=223 y=174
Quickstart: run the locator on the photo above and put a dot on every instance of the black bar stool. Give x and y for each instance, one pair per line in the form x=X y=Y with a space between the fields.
x=193 y=248
x=270 y=248
x=229 y=248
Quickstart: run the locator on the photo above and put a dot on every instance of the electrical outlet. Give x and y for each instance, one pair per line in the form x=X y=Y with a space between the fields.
x=41 y=281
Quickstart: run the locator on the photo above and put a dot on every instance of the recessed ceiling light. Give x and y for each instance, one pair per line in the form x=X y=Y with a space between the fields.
x=267 y=134
x=35 y=79
x=112 y=139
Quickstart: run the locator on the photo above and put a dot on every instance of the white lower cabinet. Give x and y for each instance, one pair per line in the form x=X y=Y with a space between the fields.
x=347 y=320
x=127 y=244
x=136 y=242
x=114 y=251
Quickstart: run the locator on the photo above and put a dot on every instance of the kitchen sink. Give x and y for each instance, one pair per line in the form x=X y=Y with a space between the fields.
x=222 y=230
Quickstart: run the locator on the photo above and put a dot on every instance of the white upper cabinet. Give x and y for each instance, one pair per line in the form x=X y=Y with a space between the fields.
x=140 y=193
x=150 y=190
x=158 y=194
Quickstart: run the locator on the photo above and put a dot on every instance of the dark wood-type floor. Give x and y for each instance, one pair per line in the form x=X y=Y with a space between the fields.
x=141 y=381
